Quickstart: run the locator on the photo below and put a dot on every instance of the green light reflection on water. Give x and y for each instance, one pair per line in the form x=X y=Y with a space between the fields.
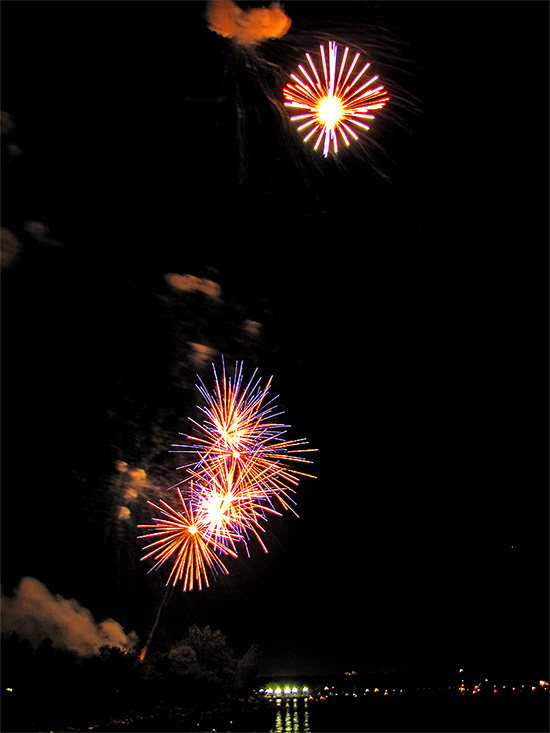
x=292 y=716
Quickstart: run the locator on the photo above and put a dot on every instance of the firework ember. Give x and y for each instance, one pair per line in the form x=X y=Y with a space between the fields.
x=334 y=104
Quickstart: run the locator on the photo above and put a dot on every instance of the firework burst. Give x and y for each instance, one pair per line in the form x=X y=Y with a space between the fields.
x=243 y=470
x=188 y=538
x=231 y=511
x=239 y=437
x=234 y=417
x=337 y=103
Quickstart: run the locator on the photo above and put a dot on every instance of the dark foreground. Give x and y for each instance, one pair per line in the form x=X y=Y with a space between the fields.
x=502 y=714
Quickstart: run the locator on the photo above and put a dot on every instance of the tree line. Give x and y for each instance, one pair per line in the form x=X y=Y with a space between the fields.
x=56 y=688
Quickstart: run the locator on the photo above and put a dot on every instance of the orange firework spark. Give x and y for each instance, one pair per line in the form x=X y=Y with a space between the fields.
x=183 y=535
x=333 y=104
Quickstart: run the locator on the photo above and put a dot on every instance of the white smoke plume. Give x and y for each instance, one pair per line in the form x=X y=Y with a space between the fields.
x=35 y=613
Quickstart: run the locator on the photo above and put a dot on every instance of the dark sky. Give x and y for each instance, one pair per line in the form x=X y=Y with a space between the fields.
x=401 y=293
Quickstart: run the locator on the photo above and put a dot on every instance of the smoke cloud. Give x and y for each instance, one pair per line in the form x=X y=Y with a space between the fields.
x=7 y=123
x=41 y=232
x=201 y=354
x=252 y=328
x=246 y=27
x=34 y=614
x=10 y=248
x=191 y=283
x=135 y=484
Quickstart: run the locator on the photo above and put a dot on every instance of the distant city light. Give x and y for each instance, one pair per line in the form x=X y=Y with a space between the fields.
x=293 y=691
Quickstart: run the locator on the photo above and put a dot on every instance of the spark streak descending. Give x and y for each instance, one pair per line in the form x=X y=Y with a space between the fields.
x=332 y=105
x=242 y=465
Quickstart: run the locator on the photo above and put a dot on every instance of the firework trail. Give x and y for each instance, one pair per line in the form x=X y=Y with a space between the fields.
x=243 y=470
x=143 y=652
x=332 y=103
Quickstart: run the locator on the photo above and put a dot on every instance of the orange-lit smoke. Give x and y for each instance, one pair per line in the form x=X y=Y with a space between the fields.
x=246 y=27
x=201 y=354
x=134 y=484
x=190 y=283
x=34 y=614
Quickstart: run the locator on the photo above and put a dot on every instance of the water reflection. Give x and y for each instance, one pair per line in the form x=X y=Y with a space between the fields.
x=292 y=716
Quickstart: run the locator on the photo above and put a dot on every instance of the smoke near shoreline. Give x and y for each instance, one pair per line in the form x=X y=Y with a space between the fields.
x=34 y=613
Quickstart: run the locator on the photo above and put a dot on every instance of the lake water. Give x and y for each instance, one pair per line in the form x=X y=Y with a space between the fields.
x=500 y=714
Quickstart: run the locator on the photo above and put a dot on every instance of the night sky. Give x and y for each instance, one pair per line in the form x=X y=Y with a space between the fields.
x=397 y=294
